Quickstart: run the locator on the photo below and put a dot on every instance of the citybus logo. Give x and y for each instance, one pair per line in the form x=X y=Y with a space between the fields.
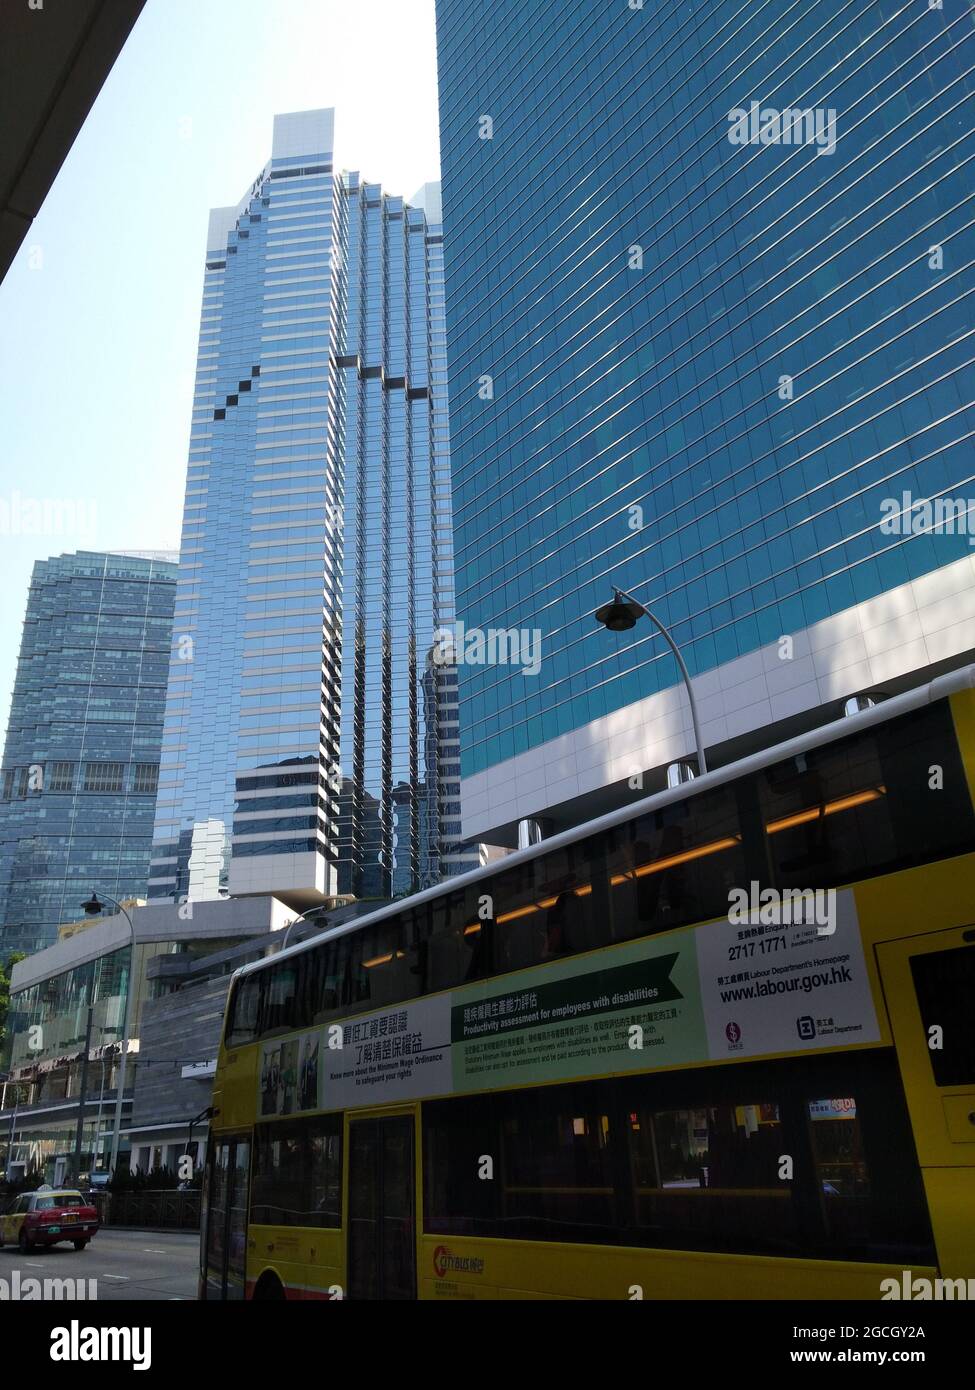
x=445 y=1263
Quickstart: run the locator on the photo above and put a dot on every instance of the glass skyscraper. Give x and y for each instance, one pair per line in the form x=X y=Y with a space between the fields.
x=304 y=753
x=81 y=759
x=710 y=276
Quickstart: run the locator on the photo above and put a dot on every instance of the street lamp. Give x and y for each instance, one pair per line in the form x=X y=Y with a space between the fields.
x=93 y=908
x=83 y=1096
x=294 y=922
x=620 y=616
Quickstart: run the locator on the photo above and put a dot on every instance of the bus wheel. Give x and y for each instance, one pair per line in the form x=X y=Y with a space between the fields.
x=269 y=1289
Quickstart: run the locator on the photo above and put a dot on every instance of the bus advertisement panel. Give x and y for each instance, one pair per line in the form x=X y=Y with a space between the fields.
x=723 y=991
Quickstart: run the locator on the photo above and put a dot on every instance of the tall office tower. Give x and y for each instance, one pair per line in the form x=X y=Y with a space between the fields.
x=300 y=753
x=709 y=310
x=81 y=758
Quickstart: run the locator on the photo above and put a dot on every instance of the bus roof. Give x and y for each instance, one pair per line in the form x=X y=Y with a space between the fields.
x=938 y=689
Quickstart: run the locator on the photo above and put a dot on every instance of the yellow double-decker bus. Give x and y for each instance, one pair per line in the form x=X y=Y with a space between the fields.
x=719 y=1044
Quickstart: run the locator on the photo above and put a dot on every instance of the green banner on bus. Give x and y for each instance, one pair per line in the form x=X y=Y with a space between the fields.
x=646 y=1004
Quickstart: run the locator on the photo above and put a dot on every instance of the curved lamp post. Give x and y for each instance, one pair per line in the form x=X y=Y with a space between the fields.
x=620 y=616
x=294 y=922
x=93 y=908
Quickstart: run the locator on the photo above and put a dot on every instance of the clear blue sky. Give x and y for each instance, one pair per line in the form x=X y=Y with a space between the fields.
x=99 y=342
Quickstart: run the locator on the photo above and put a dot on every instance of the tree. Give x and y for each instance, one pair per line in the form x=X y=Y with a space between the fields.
x=5 y=973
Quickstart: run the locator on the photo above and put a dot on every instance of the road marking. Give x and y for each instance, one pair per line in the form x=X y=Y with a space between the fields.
x=150 y=1250
x=33 y=1264
x=122 y=1278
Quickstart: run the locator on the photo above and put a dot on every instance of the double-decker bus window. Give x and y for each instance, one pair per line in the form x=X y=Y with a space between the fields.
x=708 y=1175
x=939 y=821
x=518 y=917
x=825 y=814
x=866 y=1182
x=945 y=985
x=675 y=865
x=689 y=1161
x=244 y=1021
x=298 y=1173
x=459 y=943
x=555 y=918
x=278 y=1000
x=324 y=1136
x=457 y=1136
x=277 y=1197
x=387 y=964
x=863 y=805
x=556 y=1169
x=842 y=1180
x=308 y=988
x=334 y=979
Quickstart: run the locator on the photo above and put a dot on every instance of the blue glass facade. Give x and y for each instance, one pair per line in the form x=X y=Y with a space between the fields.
x=313 y=569
x=81 y=758
x=710 y=361
x=399 y=744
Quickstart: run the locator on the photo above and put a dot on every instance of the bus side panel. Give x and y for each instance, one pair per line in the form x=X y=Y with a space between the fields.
x=942 y=1115
x=236 y=1100
x=464 y=1268
x=309 y=1263
x=951 y=1198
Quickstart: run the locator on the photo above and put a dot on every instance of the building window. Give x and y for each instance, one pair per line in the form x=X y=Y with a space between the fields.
x=146 y=777
x=61 y=777
x=104 y=777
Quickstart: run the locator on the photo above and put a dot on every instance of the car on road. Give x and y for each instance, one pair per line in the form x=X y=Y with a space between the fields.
x=46 y=1217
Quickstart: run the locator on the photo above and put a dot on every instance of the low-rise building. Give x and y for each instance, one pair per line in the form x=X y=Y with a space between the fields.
x=70 y=1001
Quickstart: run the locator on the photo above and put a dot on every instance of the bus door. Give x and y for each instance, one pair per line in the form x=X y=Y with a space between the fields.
x=227 y=1195
x=382 y=1207
x=929 y=986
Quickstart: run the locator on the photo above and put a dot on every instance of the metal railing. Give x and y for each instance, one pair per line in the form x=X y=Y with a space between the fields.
x=172 y=1210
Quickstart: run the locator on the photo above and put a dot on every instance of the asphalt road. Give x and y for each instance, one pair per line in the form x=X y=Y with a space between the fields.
x=128 y=1265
